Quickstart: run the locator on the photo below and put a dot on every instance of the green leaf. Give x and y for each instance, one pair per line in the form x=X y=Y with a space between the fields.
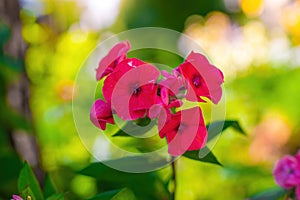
x=10 y=167
x=14 y=119
x=12 y=63
x=106 y=195
x=204 y=155
x=49 y=188
x=120 y=133
x=217 y=127
x=124 y=194
x=144 y=185
x=27 y=181
x=143 y=121
x=27 y=192
x=4 y=34
x=272 y=194
x=119 y=194
x=214 y=128
x=56 y=197
x=127 y=164
x=136 y=128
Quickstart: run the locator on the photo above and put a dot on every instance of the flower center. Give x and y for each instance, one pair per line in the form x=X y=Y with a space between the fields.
x=136 y=90
x=197 y=81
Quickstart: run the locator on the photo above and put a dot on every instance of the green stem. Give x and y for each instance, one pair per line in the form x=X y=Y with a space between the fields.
x=173 y=165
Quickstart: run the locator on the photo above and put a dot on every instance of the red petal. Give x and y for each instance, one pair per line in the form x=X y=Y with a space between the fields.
x=101 y=114
x=185 y=131
x=127 y=103
x=114 y=56
x=210 y=78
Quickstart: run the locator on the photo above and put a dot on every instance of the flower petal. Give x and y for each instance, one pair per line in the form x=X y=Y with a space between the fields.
x=121 y=69
x=184 y=131
x=101 y=114
x=16 y=197
x=111 y=60
x=138 y=89
x=203 y=78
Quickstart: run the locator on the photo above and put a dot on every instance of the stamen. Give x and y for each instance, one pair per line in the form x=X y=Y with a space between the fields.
x=136 y=90
x=197 y=81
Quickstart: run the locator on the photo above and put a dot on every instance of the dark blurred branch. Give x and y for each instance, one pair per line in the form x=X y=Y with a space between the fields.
x=18 y=93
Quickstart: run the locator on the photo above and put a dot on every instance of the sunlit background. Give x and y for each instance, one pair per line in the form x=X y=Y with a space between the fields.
x=254 y=42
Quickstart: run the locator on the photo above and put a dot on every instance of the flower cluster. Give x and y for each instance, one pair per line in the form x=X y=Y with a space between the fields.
x=132 y=90
x=287 y=173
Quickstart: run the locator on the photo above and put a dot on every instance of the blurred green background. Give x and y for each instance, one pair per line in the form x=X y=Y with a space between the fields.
x=44 y=43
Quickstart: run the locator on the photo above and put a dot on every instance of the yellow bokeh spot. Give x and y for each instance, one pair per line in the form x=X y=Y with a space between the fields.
x=290 y=20
x=72 y=49
x=65 y=89
x=252 y=8
x=34 y=33
x=84 y=186
x=217 y=24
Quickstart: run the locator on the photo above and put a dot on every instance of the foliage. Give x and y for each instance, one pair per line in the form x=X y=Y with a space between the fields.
x=28 y=186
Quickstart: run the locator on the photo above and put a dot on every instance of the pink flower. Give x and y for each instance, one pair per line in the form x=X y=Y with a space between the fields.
x=287 y=172
x=203 y=79
x=112 y=59
x=101 y=114
x=16 y=197
x=133 y=92
x=184 y=131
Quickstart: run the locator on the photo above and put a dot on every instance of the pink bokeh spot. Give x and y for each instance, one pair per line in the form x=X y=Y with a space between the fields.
x=202 y=78
x=112 y=59
x=101 y=114
x=16 y=197
x=287 y=172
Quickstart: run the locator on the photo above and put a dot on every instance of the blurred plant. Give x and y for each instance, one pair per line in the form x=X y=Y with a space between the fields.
x=29 y=188
x=287 y=174
x=17 y=141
